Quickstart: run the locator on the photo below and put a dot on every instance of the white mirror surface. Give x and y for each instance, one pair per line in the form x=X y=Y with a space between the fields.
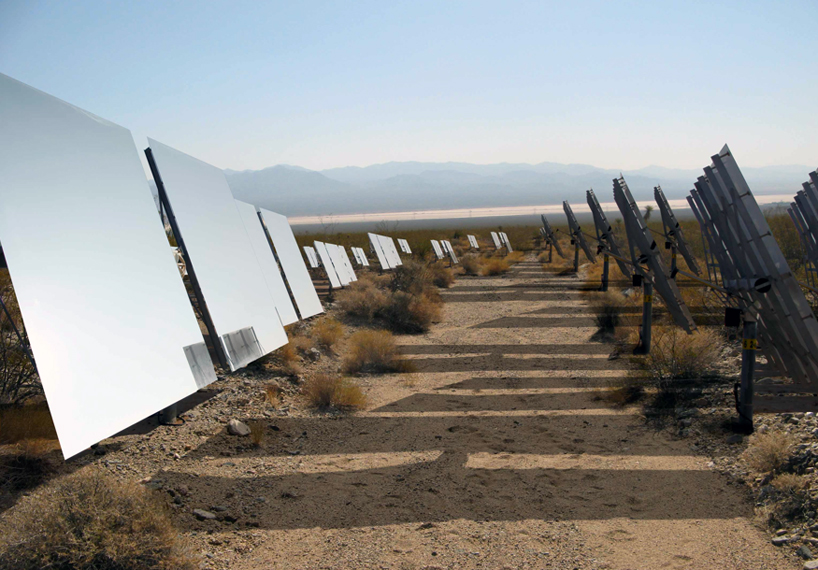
x=375 y=245
x=326 y=262
x=450 y=251
x=347 y=262
x=103 y=303
x=438 y=250
x=229 y=275
x=312 y=258
x=292 y=263
x=496 y=240
x=267 y=262
x=338 y=262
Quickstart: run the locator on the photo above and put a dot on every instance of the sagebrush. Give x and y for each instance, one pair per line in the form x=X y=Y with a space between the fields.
x=93 y=521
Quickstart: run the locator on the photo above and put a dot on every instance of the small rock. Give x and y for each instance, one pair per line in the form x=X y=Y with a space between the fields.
x=781 y=540
x=735 y=438
x=235 y=427
x=426 y=526
x=183 y=490
x=781 y=532
x=804 y=552
x=811 y=565
x=203 y=515
x=219 y=509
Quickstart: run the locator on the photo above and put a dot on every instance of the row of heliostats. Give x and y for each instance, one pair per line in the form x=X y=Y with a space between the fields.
x=336 y=263
x=112 y=328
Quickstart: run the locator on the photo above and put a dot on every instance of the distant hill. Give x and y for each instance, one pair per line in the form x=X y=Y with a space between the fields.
x=402 y=186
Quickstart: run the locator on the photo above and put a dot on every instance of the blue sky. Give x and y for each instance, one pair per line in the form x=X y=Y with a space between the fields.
x=320 y=85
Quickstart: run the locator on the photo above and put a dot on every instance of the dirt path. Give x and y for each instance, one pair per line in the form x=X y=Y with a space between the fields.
x=494 y=455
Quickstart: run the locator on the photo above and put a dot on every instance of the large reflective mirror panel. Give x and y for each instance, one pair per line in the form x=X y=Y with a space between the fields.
x=110 y=324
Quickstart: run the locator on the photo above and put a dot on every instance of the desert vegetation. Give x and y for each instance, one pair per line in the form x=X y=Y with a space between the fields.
x=93 y=521
x=324 y=391
x=407 y=302
x=373 y=351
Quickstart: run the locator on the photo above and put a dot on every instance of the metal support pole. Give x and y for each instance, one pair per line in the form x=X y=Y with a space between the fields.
x=168 y=416
x=647 y=318
x=673 y=270
x=748 y=363
x=550 y=251
x=576 y=255
x=605 y=269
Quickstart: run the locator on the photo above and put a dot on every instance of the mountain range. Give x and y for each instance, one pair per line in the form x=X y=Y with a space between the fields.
x=409 y=186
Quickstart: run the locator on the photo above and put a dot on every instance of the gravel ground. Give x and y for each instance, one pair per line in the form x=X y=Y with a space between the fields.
x=496 y=453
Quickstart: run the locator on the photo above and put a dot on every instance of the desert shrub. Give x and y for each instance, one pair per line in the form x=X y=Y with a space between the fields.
x=27 y=464
x=767 y=452
x=412 y=277
x=607 y=309
x=327 y=331
x=362 y=299
x=302 y=344
x=543 y=257
x=789 y=500
x=678 y=367
x=272 y=395
x=286 y=360
x=93 y=521
x=442 y=277
x=411 y=314
x=257 y=432
x=470 y=264
x=325 y=391
x=495 y=266
x=515 y=257
x=675 y=354
x=373 y=351
x=32 y=421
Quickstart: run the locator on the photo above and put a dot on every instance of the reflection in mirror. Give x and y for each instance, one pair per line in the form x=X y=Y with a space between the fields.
x=233 y=285
x=109 y=321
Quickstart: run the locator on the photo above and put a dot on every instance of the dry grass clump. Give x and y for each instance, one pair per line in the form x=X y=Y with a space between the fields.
x=27 y=464
x=470 y=264
x=675 y=354
x=405 y=302
x=362 y=299
x=790 y=483
x=373 y=352
x=411 y=314
x=789 y=501
x=272 y=395
x=327 y=332
x=31 y=421
x=515 y=257
x=93 y=521
x=607 y=308
x=767 y=452
x=286 y=360
x=257 y=432
x=302 y=344
x=442 y=277
x=495 y=266
x=329 y=391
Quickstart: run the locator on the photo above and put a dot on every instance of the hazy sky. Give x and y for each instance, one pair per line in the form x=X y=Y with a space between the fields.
x=614 y=84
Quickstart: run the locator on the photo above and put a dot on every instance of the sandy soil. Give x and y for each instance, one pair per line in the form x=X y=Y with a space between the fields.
x=497 y=453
